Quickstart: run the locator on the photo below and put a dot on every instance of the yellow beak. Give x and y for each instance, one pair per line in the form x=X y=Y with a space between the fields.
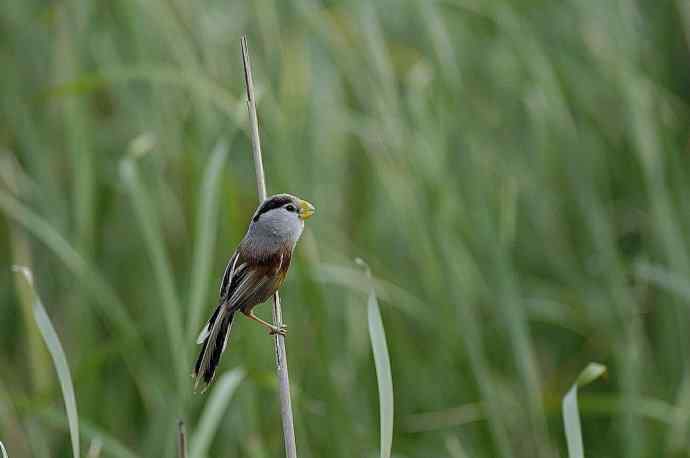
x=305 y=209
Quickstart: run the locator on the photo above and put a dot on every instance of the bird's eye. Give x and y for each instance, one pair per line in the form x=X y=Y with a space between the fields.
x=290 y=208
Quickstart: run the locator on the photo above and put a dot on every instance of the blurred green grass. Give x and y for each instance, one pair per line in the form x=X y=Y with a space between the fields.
x=515 y=173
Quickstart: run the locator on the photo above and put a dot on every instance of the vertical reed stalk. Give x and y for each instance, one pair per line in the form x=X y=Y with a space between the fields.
x=181 y=440
x=281 y=357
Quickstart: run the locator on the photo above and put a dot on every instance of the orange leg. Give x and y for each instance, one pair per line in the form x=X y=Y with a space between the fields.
x=282 y=330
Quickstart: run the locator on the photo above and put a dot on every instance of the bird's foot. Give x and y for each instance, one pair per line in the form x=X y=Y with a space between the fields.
x=282 y=330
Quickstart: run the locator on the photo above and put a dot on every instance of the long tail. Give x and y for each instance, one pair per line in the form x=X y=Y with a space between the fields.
x=214 y=338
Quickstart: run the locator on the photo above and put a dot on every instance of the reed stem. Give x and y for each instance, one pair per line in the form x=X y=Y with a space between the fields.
x=281 y=357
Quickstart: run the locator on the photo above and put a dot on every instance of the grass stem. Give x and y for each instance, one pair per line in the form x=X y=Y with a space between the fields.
x=281 y=357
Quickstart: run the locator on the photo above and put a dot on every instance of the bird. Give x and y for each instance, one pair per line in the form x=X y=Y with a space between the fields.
x=255 y=271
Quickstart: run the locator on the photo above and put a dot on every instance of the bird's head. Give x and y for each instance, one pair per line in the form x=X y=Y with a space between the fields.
x=281 y=216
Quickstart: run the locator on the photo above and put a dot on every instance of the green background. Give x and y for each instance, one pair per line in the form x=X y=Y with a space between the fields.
x=515 y=173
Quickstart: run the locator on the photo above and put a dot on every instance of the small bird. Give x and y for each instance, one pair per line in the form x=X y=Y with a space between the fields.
x=254 y=273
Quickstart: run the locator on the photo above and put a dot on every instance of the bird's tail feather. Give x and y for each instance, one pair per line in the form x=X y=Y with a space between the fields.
x=214 y=339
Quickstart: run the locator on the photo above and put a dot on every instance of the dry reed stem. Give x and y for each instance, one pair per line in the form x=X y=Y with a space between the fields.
x=281 y=357
x=181 y=440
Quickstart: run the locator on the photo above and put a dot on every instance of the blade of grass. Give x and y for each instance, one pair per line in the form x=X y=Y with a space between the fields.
x=677 y=285
x=379 y=348
x=40 y=368
x=677 y=439
x=206 y=224
x=21 y=255
x=10 y=421
x=111 y=306
x=454 y=447
x=464 y=265
x=664 y=278
x=150 y=226
x=356 y=280
x=95 y=448
x=213 y=413
x=571 y=413
x=52 y=341
x=111 y=445
x=194 y=82
x=105 y=297
x=2 y=449
x=446 y=418
x=647 y=408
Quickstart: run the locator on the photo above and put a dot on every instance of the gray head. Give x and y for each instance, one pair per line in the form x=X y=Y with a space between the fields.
x=278 y=221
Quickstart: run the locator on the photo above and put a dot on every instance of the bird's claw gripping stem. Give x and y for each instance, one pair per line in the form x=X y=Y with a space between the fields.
x=282 y=330
x=272 y=329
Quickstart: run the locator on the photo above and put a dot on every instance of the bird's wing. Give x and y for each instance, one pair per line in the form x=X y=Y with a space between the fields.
x=228 y=275
x=255 y=279
x=253 y=288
